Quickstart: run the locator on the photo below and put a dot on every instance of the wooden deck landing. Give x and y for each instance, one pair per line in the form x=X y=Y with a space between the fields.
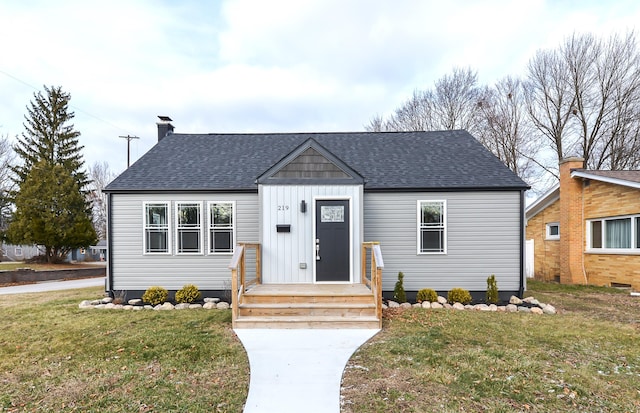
x=308 y=289
x=307 y=306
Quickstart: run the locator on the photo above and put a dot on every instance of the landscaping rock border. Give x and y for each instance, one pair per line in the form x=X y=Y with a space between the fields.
x=136 y=304
x=526 y=305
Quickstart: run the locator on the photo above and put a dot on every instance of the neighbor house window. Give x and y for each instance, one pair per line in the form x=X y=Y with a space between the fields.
x=432 y=227
x=553 y=231
x=156 y=228
x=18 y=252
x=188 y=228
x=221 y=227
x=620 y=233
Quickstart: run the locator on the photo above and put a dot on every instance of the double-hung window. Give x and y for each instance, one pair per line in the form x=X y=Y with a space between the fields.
x=432 y=227
x=189 y=227
x=156 y=228
x=221 y=227
x=619 y=233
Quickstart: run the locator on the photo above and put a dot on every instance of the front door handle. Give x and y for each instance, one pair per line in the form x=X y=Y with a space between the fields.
x=317 y=249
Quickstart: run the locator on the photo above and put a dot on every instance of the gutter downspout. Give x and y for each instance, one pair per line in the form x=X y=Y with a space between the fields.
x=522 y=246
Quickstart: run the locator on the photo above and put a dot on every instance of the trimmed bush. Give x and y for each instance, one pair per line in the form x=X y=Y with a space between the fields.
x=492 y=289
x=188 y=294
x=398 y=292
x=155 y=295
x=428 y=295
x=459 y=295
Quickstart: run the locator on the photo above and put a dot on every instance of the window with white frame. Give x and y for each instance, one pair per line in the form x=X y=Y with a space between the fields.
x=188 y=227
x=18 y=252
x=156 y=228
x=221 y=227
x=432 y=227
x=619 y=233
x=553 y=230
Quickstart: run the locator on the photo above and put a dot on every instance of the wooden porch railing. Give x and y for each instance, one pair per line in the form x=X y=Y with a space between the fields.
x=239 y=282
x=373 y=277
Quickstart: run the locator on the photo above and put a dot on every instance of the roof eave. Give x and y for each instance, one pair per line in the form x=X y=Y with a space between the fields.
x=181 y=191
x=548 y=198
x=448 y=189
x=617 y=181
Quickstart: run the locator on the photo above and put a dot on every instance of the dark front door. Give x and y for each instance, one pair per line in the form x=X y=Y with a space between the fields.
x=332 y=240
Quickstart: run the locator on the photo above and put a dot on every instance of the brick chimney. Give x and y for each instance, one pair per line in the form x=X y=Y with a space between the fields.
x=164 y=127
x=571 y=223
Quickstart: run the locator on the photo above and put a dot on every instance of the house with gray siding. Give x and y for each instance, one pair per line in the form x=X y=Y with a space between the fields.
x=444 y=210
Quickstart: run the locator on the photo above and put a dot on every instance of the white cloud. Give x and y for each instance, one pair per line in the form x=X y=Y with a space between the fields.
x=253 y=65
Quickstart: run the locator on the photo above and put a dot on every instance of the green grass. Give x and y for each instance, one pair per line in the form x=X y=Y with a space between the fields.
x=56 y=357
x=586 y=358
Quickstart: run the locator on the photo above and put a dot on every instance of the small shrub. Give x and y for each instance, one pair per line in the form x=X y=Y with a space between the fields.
x=155 y=295
x=492 y=289
x=459 y=295
x=398 y=292
x=188 y=294
x=428 y=295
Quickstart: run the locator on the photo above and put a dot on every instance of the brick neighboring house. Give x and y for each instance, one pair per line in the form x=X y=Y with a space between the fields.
x=586 y=230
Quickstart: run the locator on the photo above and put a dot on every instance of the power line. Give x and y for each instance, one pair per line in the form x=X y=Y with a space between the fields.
x=72 y=106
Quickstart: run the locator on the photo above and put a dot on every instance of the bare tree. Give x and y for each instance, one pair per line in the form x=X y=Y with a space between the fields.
x=506 y=129
x=584 y=98
x=495 y=116
x=7 y=156
x=100 y=176
x=456 y=101
x=550 y=101
x=451 y=104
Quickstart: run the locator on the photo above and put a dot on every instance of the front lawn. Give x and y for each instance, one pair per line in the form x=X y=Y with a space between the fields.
x=56 y=357
x=586 y=358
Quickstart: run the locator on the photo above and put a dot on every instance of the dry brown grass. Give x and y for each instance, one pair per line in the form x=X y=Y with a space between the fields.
x=586 y=358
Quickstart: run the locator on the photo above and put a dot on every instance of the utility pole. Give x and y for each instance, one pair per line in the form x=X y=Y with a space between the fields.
x=128 y=138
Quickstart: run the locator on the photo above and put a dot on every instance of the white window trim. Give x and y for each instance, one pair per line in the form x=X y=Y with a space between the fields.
x=548 y=232
x=444 y=223
x=234 y=224
x=18 y=252
x=200 y=227
x=144 y=227
x=623 y=251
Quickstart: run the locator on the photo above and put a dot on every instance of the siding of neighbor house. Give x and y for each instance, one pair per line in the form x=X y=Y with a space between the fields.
x=483 y=233
x=282 y=253
x=134 y=271
x=601 y=200
x=547 y=252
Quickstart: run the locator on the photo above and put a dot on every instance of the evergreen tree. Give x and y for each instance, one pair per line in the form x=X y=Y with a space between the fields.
x=51 y=211
x=51 y=208
x=50 y=137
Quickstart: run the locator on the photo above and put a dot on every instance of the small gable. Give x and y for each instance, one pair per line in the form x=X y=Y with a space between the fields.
x=310 y=162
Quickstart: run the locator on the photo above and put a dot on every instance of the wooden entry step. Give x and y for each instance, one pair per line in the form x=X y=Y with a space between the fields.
x=307 y=306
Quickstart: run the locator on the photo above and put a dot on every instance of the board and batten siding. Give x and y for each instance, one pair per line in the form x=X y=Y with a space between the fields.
x=133 y=270
x=283 y=252
x=483 y=238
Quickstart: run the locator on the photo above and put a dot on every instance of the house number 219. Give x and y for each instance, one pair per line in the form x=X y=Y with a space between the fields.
x=283 y=207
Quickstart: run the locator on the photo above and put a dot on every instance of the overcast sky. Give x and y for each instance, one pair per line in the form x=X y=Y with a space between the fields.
x=264 y=66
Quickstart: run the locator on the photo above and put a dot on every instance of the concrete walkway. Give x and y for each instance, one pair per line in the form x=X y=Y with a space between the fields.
x=298 y=370
x=53 y=286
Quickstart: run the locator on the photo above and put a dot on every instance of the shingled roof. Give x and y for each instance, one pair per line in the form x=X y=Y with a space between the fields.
x=430 y=161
